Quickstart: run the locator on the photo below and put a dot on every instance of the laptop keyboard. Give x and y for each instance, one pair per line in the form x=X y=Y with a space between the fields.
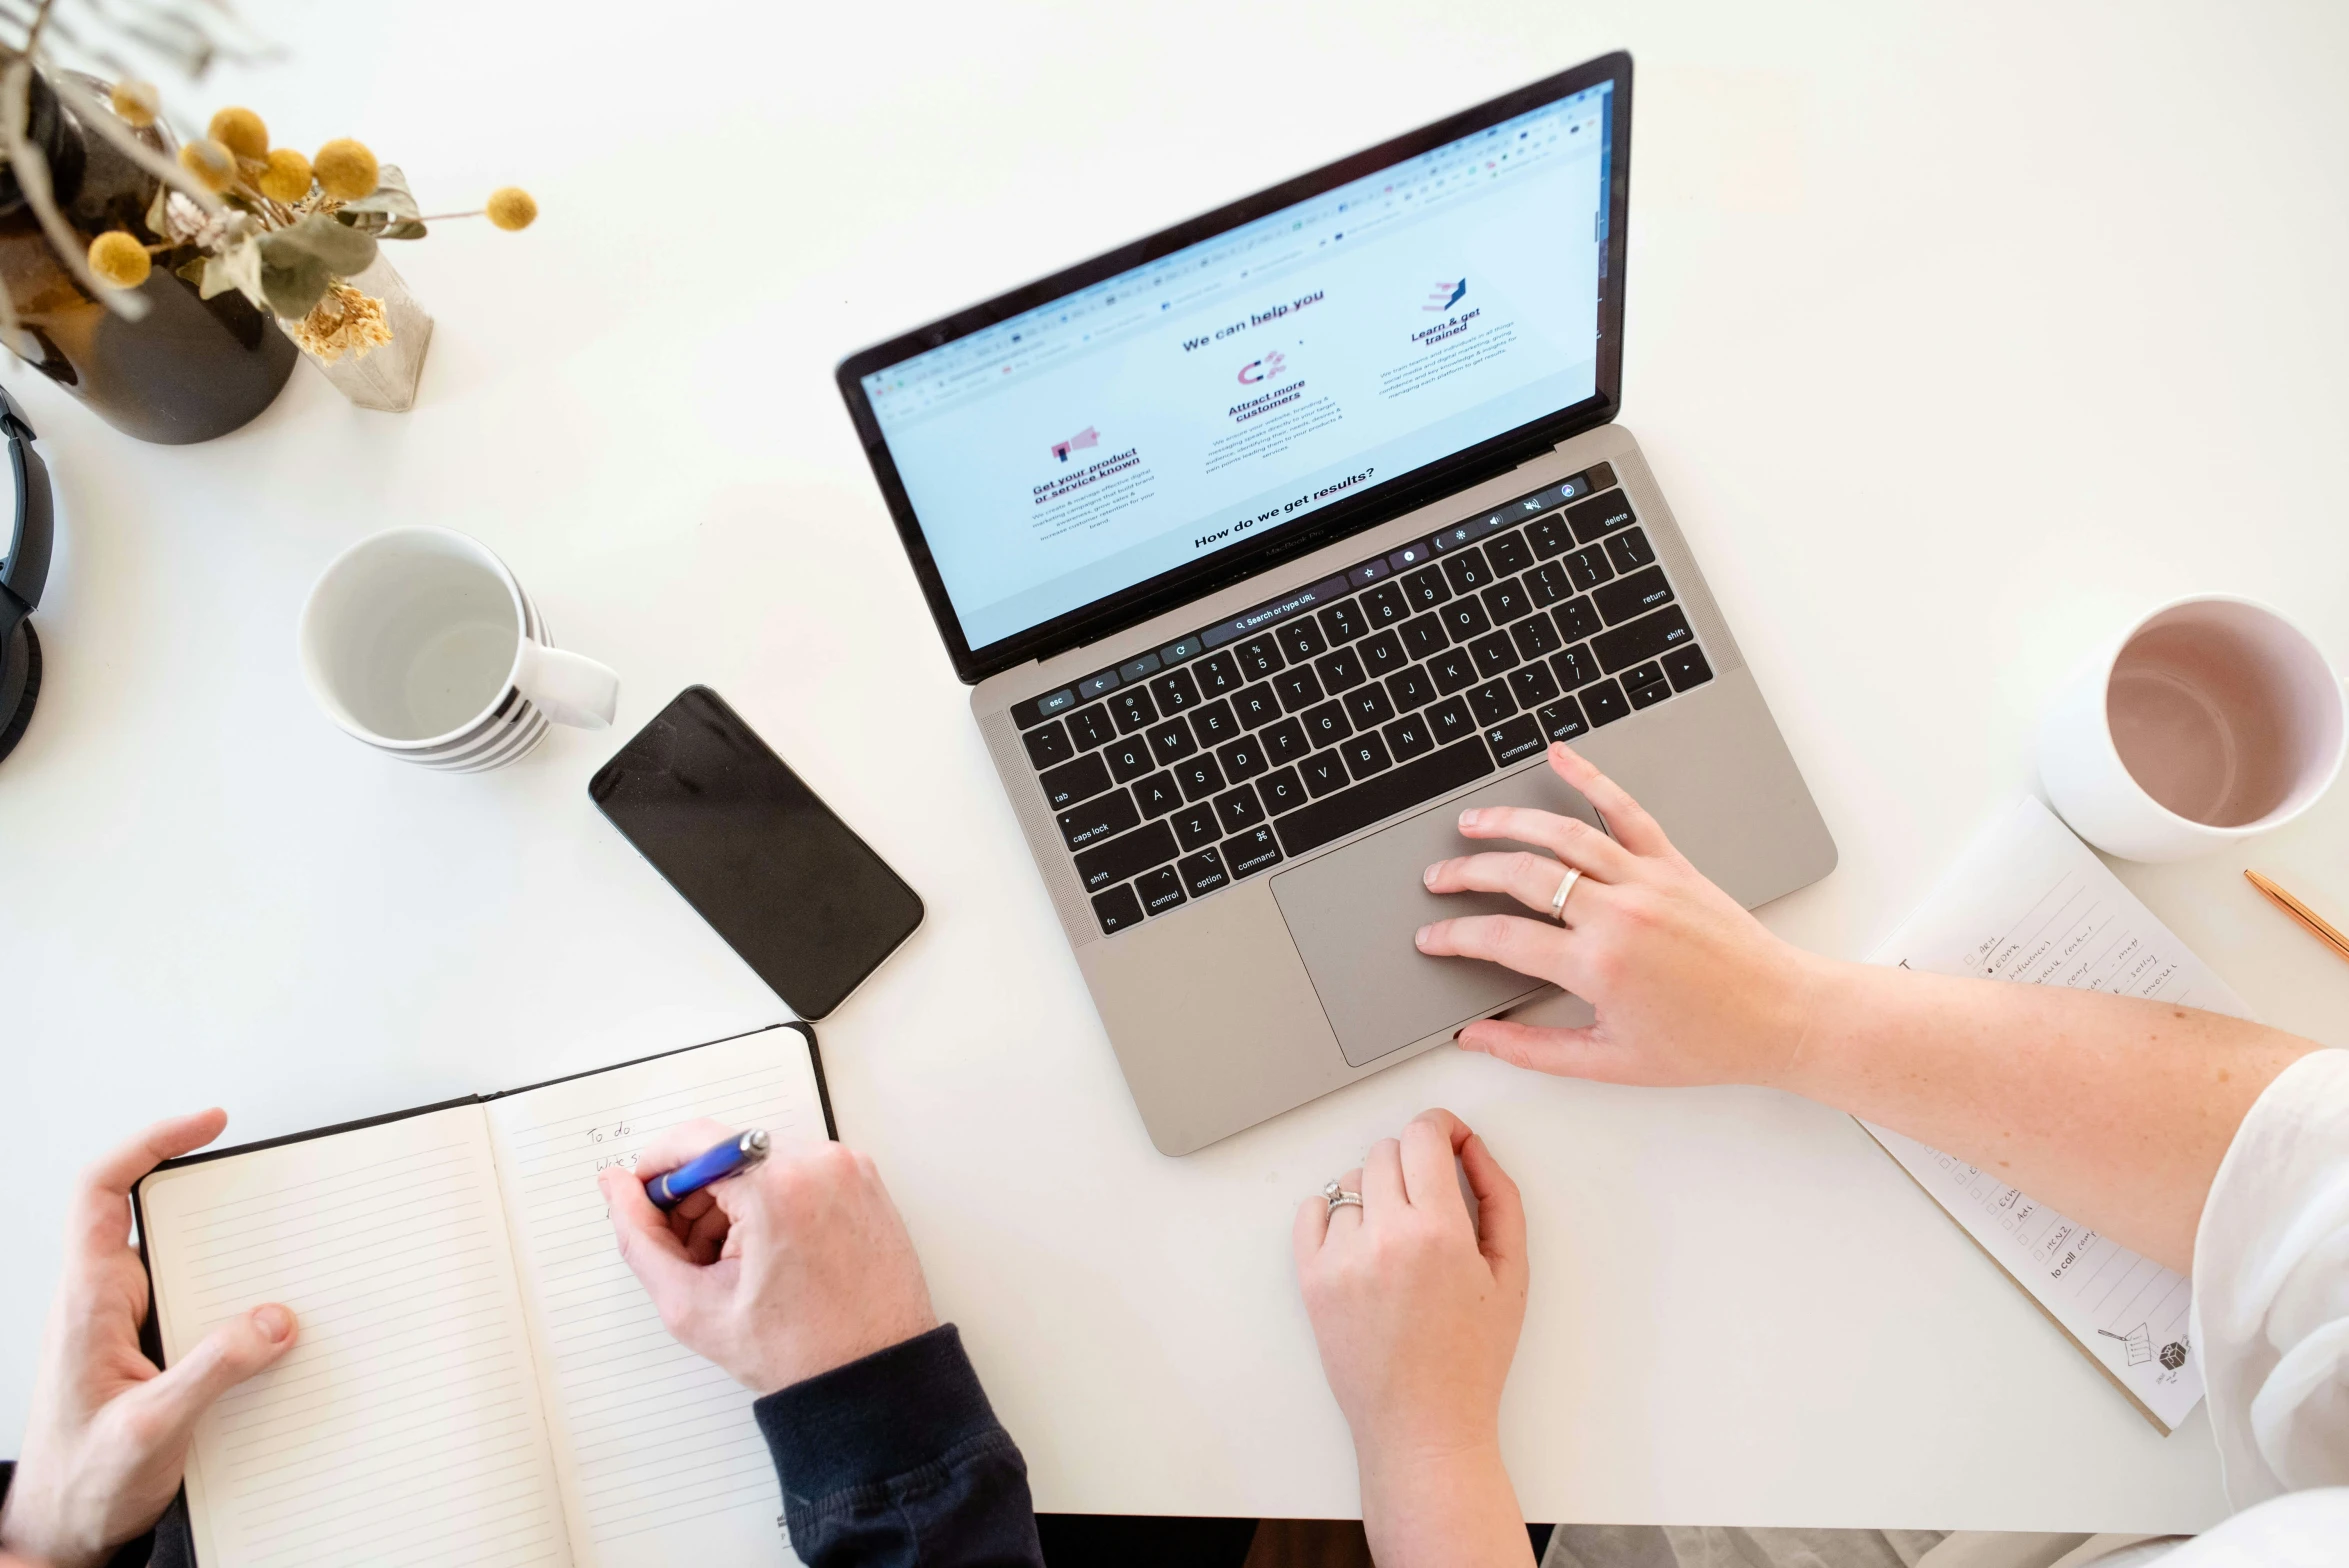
x=1341 y=704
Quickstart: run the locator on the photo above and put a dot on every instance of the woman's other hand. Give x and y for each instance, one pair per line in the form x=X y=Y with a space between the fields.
x=1687 y=986
x=1416 y=1306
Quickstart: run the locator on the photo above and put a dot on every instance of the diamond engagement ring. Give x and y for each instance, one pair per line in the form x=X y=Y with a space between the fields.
x=1338 y=1197
x=1565 y=886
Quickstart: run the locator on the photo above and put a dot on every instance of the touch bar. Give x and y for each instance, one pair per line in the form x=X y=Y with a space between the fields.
x=1264 y=615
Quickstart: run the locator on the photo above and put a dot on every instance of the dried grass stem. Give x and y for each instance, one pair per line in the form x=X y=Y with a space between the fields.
x=32 y=177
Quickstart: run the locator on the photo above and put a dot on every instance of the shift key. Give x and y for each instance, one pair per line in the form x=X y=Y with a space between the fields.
x=1644 y=638
x=1121 y=858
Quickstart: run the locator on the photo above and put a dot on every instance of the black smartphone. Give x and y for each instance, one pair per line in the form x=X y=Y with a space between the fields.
x=790 y=887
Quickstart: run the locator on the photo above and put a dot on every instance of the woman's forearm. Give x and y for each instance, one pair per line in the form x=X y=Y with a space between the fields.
x=1453 y=1510
x=2113 y=1110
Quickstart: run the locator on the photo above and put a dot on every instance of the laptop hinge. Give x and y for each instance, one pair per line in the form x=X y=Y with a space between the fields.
x=1402 y=504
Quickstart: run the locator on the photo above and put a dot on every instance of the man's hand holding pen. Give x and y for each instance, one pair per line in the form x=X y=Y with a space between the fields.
x=790 y=1268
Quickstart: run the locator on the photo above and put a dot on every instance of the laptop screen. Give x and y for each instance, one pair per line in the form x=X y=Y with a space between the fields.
x=1178 y=409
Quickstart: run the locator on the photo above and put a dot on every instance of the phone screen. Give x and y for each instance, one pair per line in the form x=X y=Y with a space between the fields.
x=806 y=902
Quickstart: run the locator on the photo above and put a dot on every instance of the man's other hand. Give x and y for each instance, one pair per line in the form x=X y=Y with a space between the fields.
x=108 y=1435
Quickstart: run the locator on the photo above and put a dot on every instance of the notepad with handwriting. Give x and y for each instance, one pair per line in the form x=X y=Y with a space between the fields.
x=2028 y=902
x=479 y=1382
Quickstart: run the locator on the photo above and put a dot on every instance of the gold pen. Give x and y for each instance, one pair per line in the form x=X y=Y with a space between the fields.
x=2317 y=925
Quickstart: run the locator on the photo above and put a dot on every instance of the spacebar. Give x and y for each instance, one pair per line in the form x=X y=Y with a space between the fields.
x=1397 y=789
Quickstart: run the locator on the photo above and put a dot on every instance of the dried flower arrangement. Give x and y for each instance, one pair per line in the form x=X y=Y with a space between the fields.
x=284 y=229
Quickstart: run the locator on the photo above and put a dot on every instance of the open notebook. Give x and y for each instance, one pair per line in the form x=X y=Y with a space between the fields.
x=480 y=1382
x=2029 y=902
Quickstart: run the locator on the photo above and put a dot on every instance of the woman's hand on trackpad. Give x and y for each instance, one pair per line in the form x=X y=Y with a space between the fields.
x=1688 y=987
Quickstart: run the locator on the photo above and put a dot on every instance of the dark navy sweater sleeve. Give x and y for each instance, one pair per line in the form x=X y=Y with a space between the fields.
x=897 y=1460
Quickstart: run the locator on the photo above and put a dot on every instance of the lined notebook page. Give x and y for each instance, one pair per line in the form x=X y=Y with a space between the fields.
x=405 y=1425
x=662 y=1460
x=2028 y=902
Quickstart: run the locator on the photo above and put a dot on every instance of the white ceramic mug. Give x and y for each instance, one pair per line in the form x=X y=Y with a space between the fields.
x=419 y=642
x=2210 y=719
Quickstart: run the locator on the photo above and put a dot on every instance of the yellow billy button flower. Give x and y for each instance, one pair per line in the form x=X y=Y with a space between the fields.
x=511 y=207
x=213 y=165
x=346 y=170
x=287 y=178
x=241 y=132
x=137 y=103
x=119 y=259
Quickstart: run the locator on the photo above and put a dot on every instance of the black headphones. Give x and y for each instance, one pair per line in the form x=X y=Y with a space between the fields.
x=24 y=572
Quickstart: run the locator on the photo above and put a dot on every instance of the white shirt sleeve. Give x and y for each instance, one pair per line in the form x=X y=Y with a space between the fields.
x=2271 y=1292
x=2299 y=1530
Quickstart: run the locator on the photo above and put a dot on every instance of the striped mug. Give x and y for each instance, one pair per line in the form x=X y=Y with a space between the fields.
x=419 y=642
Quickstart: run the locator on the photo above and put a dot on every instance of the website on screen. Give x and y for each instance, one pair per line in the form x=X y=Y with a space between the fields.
x=1180 y=408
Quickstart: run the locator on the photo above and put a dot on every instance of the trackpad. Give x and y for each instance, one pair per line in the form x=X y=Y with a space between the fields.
x=1353 y=914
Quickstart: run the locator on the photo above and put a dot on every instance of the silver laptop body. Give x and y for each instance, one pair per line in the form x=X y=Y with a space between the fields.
x=1242 y=902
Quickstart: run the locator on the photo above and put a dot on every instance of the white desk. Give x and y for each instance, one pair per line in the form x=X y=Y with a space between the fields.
x=1951 y=348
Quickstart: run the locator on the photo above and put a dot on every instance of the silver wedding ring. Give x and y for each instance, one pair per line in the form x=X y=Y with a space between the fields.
x=1338 y=1197
x=1565 y=886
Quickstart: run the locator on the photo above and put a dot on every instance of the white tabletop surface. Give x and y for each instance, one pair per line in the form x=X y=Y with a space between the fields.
x=1954 y=343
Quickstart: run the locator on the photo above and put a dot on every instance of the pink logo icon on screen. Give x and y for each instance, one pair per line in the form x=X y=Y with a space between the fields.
x=1445 y=295
x=1257 y=370
x=1087 y=437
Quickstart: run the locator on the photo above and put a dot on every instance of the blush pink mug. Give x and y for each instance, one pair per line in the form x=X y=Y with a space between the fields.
x=2210 y=719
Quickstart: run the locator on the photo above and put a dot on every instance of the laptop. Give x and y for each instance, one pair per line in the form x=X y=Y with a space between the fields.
x=1270 y=542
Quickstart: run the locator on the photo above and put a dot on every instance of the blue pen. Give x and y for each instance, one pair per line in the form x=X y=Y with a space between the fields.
x=730 y=1158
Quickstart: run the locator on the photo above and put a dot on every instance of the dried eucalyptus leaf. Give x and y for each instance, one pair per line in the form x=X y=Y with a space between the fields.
x=389 y=199
x=237 y=268
x=388 y=212
x=294 y=287
x=337 y=247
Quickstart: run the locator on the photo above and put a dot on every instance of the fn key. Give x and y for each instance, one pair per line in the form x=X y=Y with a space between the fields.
x=1117 y=909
